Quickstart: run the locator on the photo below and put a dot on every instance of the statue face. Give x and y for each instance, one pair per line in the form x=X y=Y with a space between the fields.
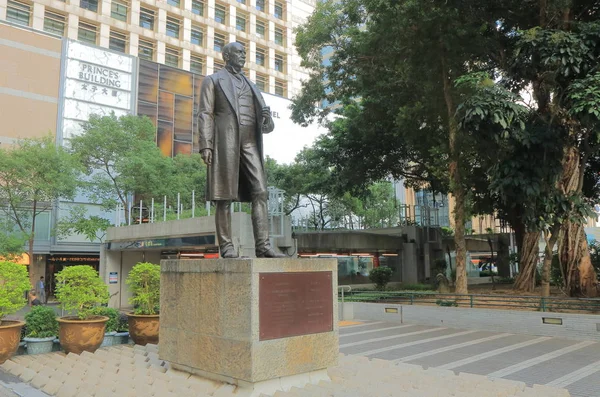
x=236 y=56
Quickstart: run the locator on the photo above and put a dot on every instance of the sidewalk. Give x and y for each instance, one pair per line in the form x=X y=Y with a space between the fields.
x=138 y=372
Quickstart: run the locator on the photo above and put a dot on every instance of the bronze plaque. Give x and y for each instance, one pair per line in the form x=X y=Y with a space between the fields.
x=292 y=304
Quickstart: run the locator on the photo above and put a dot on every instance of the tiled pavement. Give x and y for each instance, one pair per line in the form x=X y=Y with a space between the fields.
x=387 y=355
x=137 y=372
x=570 y=364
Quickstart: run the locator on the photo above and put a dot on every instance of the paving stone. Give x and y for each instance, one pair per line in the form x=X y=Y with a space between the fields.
x=39 y=381
x=51 y=387
x=27 y=375
x=67 y=390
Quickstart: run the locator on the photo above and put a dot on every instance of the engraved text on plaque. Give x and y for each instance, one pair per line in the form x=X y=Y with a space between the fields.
x=292 y=304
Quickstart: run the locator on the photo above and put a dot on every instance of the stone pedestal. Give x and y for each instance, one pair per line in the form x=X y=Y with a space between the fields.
x=262 y=324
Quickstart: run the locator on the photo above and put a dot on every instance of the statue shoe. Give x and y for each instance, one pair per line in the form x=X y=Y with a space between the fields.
x=269 y=253
x=229 y=252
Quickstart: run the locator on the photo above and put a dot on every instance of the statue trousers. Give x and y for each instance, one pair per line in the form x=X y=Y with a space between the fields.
x=251 y=168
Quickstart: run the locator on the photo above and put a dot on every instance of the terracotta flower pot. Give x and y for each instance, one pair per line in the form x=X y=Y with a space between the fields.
x=77 y=336
x=143 y=329
x=10 y=336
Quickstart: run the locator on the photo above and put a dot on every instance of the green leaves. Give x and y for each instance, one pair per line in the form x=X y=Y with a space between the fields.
x=112 y=324
x=14 y=283
x=381 y=276
x=80 y=288
x=41 y=322
x=144 y=282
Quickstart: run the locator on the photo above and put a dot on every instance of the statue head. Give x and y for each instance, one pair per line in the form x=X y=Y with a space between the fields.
x=234 y=54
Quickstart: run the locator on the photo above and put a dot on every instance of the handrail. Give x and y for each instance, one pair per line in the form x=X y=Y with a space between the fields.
x=537 y=303
x=341 y=288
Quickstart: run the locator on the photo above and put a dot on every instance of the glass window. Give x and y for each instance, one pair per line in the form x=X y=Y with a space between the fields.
x=146 y=50
x=117 y=41
x=260 y=29
x=241 y=1
x=219 y=42
x=261 y=82
x=174 y=3
x=18 y=12
x=197 y=35
x=91 y=5
x=278 y=36
x=118 y=10
x=87 y=33
x=198 y=7
x=279 y=64
x=197 y=64
x=240 y=22
x=220 y=14
x=172 y=57
x=218 y=66
x=147 y=18
x=278 y=10
x=172 y=27
x=260 y=5
x=260 y=56
x=245 y=45
x=280 y=88
x=54 y=23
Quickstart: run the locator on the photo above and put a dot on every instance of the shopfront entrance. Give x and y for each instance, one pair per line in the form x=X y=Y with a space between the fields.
x=57 y=262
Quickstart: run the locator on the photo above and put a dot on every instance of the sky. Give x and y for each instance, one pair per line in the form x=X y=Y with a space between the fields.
x=288 y=138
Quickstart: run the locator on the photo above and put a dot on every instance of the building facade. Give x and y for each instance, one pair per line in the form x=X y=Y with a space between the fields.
x=185 y=34
x=63 y=61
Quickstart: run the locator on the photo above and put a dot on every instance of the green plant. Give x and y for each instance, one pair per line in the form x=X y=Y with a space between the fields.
x=505 y=280
x=144 y=281
x=80 y=288
x=14 y=281
x=416 y=287
x=41 y=322
x=122 y=323
x=446 y=303
x=381 y=276
x=112 y=314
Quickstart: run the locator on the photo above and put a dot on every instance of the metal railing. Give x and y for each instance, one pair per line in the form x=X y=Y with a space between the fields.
x=506 y=302
x=341 y=289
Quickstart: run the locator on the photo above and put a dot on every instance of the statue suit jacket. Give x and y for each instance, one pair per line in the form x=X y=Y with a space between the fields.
x=218 y=130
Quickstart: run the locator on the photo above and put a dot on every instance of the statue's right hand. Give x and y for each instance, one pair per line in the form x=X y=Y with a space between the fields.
x=206 y=155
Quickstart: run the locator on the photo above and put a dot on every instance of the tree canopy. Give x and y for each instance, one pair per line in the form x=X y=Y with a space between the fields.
x=430 y=91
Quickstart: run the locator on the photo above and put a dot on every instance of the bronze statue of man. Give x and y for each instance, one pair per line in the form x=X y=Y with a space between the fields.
x=232 y=118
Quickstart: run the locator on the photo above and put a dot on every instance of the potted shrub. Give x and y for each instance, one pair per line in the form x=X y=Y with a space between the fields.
x=122 y=335
x=79 y=288
x=41 y=329
x=14 y=281
x=111 y=324
x=144 y=281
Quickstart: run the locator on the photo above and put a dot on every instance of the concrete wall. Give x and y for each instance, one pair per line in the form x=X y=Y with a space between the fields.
x=29 y=80
x=574 y=326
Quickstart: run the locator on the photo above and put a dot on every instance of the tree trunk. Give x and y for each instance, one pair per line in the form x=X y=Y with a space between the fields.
x=528 y=260
x=550 y=238
x=456 y=186
x=581 y=279
x=580 y=275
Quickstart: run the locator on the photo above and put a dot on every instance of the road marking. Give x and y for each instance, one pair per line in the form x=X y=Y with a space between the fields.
x=362 y=342
x=574 y=376
x=449 y=348
x=349 y=323
x=363 y=324
x=378 y=330
x=409 y=344
x=492 y=353
x=529 y=363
